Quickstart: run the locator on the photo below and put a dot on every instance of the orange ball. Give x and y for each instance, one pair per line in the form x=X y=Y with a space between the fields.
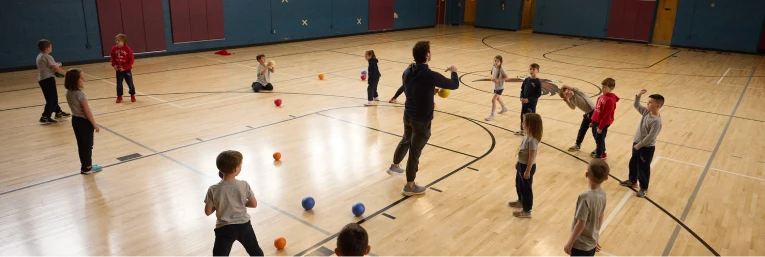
x=280 y=243
x=277 y=156
x=321 y=76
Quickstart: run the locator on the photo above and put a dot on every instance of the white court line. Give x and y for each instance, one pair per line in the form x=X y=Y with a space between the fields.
x=623 y=201
x=720 y=170
x=104 y=80
x=723 y=76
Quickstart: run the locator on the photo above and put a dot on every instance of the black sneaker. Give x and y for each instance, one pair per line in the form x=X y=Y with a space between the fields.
x=47 y=120
x=62 y=115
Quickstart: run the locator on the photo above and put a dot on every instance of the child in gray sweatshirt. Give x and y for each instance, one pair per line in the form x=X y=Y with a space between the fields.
x=645 y=142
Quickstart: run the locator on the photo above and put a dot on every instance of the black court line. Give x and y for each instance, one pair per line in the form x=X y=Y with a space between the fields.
x=128 y=157
x=679 y=222
x=199 y=139
x=493 y=144
x=389 y=216
x=293 y=116
x=436 y=189
x=250 y=127
x=322 y=251
x=472 y=168
x=386 y=132
x=600 y=90
x=604 y=60
x=737 y=156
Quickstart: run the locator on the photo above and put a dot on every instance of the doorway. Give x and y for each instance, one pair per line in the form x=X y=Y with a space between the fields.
x=527 y=22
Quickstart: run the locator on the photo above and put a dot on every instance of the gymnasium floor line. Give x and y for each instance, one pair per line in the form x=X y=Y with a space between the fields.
x=581 y=65
x=404 y=198
x=679 y=222
x=687 y=209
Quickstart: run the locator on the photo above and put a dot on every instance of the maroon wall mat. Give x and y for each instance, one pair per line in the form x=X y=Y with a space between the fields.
x=179 y=16
x=380 y=14
x=198 y=20
x=132 y=25
x=110 y=22
x=631 y=19
x=154 y=25
x=215 y=27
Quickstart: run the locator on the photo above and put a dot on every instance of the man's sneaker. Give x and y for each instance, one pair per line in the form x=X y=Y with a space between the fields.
x=93 y=169
x=119 y=99
x=628 y=183
x=518 y=133
x=415 y=190
x=642 y=193
x=62 y=114
x=515 y=204
x=395 y=171
x=522 y=214
x=574 y=148
x=47 y=120
x=490 y=118
x=132 y=98
x=504 y=110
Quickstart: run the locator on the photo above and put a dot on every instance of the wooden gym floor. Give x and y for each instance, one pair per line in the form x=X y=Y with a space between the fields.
x=705 y=198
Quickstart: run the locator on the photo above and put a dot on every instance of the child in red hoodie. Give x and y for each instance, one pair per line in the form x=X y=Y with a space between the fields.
x=603 y=116
x=122 y=61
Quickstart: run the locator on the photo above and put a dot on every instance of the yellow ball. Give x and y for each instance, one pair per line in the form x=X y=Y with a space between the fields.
x=273 y=63
x=444 y=93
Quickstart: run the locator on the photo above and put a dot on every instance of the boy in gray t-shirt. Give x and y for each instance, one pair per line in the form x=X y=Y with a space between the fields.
x=643 y=146
x=585 y=230
x=264 y=74
x=47 y=68
x=230 y=198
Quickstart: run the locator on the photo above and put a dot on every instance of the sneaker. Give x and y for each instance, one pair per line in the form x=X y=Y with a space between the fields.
x=119 y=99
x=93 y=169
x=376 y=99
x=522 y=214
x=504 y=110
x=415 y=190
x=515 y=204
x=593 y=154
x=574 y=148
x=62 y=115
x=490 y=118
x=369 y=103
x=47 y=120
x=642 y=193
x=132 y=98
x=628 y=183
x=604 y=156
x=392 y=100
x=518 y=133
x=395 y=171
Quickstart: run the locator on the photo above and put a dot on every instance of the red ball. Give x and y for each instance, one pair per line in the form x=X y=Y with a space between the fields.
x=363 y=77
x=278 y=102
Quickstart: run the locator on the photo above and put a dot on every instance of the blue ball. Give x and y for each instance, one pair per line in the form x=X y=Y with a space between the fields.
x=363 y=72
x=358 y=209
x=308 y=203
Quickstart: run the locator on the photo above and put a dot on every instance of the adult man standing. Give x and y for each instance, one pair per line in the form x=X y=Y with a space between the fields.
x=420 y=83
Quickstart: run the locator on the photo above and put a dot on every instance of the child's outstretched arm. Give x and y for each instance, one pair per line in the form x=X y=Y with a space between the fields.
x=209 y=209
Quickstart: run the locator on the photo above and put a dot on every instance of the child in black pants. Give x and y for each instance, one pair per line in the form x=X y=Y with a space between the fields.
x=83 y=122
x=47 y=69
x=231 y=198
x=531 y=90
x=374 y=77
x=526 y=166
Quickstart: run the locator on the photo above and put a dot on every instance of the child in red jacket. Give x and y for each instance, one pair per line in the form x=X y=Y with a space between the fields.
x=122 y=61
x=603 y=116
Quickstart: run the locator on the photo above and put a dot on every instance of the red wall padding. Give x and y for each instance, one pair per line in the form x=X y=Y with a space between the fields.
x=381 y=14
x=110 y=22
x=132 y=25
x=154 y=25
x=198 y=20
x=631 y=19
x=215 y=27
x=179 y=16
